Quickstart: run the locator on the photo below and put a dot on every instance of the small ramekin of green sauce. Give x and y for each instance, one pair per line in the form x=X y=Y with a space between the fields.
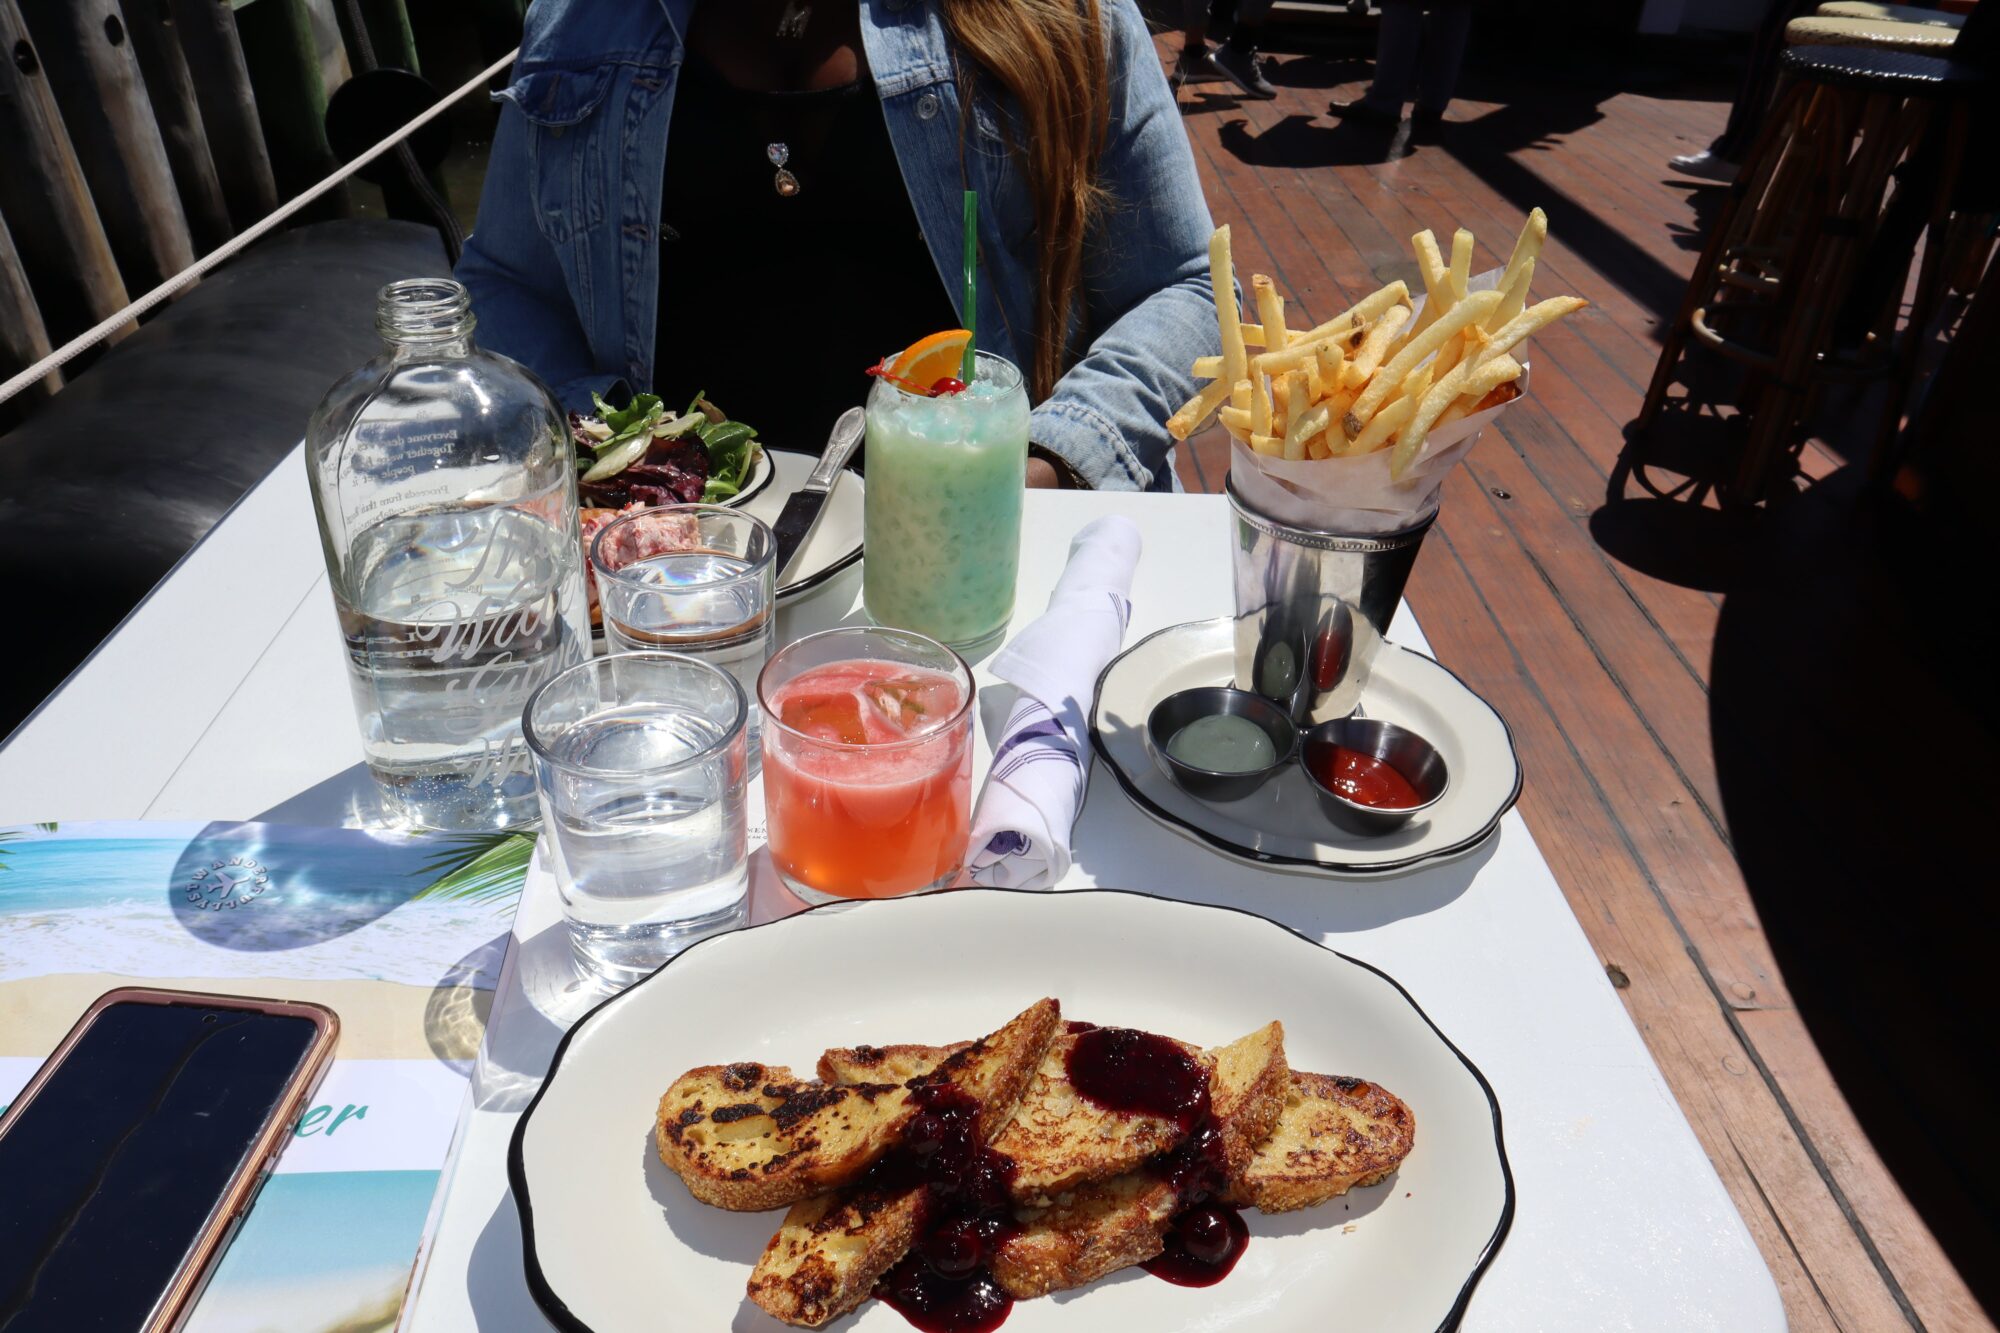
x=1219 y=744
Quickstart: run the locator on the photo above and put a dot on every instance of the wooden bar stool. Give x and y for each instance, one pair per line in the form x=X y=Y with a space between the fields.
x=1884 y=34
x=1783 y=257
x=1868 y=9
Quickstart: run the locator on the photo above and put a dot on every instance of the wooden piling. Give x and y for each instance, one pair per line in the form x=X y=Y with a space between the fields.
x=61 y=242
x=102 y=95
x=156 y=42
x=214 y=56
x=24 y=339
x=390 y=41
x=291 y=98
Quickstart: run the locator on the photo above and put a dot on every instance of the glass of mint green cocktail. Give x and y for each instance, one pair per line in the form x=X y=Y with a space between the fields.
x=942 y=520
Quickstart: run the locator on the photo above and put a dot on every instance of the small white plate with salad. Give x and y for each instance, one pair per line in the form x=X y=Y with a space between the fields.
x=646 y=454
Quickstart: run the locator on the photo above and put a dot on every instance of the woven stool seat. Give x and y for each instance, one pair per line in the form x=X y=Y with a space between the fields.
x=1868 y=9
x=1903 y=73
x=1815 y=31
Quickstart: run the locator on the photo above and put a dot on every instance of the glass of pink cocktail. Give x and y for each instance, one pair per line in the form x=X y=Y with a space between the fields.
x=867 y=763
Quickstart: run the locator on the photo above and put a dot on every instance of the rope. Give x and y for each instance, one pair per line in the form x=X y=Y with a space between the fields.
x=263 y=227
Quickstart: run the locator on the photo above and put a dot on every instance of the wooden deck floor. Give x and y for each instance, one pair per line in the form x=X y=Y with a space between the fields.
x=1601 y=668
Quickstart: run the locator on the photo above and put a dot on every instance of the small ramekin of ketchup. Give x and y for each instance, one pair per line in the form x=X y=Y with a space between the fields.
x=1371 y=777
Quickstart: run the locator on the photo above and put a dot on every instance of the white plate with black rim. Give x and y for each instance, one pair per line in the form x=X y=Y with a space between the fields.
x=614 y=1243
x=1280 y=826
x=762 y=470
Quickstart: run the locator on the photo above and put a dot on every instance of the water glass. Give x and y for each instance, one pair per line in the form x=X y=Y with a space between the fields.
x=641 y=767
x=867 y=763
x=695 y=579
x=943 y=521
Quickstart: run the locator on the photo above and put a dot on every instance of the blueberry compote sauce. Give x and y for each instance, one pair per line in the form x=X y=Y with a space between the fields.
x=944 y=1285
x=1143 y=1074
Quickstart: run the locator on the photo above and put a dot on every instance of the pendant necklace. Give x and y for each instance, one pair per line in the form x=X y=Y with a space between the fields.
x=785 y=183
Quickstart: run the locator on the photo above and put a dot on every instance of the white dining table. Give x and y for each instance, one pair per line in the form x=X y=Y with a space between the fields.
x=224 y=696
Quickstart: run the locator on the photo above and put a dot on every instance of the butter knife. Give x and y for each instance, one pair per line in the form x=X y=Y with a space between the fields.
x=801 y=512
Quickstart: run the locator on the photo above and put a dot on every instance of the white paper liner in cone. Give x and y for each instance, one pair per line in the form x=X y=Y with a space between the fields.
x=1356 y=495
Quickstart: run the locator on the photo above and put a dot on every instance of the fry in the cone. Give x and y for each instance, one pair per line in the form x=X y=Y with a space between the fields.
x=1375 y=346
x=1304 y=424
x=1207 y=367
x=1464 y=405
x=1469 y=311
x=1471 y=377
x=1526 y=246
x=1513 y=297
x=1461 y=263
x=1270 y=312
x=1197 y=409
x=1332 y=361
x=1530 y=321
x=1439 y=366
x=1222 y=277
x=1299 y=350
x=1436 y=275
x=1384 y=424
x=1359 y=314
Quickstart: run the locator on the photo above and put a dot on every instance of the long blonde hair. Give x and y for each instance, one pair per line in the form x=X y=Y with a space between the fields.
x=1050 y=57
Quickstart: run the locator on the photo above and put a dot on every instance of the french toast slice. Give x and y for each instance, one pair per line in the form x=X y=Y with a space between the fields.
x=882 y=1064
x=1335 y=1134
x=747 y=1136
x=1247 y=1092
x=1113 y=1224
x=1098 y=1229
x=1058 y=1138
x=829 y=1252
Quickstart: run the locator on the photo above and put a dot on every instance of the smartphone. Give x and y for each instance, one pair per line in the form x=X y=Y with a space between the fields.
x=131 y=1157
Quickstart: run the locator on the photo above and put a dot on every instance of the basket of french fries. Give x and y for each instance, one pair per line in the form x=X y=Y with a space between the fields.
x=1342 y=435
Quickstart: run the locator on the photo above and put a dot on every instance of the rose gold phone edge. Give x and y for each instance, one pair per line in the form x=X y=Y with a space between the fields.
x=178 y=1298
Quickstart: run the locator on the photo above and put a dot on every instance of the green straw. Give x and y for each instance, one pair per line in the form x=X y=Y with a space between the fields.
x=967 y=368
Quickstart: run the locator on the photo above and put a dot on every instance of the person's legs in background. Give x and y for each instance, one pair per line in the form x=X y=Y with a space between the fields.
x=1196 y=63
x=1447 y=29
x=1753 y=98
x=1238 y=56
x=1398 y=41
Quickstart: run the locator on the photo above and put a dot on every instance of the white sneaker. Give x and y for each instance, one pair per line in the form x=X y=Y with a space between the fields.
x=1704 y=166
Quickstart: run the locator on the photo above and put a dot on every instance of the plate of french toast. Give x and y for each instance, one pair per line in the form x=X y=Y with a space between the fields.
x=1082 y=1110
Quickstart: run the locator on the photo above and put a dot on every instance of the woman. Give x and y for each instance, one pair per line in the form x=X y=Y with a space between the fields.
x=759 y=199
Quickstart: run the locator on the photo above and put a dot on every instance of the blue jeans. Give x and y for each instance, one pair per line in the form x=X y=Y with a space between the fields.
x=1419 y=49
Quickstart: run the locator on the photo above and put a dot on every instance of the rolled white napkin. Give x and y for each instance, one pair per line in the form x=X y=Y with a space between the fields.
x=1021 y=826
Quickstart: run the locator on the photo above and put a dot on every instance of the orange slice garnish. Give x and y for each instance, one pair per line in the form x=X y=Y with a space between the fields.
x=931 y=359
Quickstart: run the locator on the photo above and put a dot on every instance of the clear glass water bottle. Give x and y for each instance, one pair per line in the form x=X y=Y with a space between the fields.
x=444 y=480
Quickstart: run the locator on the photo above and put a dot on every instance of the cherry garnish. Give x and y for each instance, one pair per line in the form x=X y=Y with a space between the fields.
x=944 y=384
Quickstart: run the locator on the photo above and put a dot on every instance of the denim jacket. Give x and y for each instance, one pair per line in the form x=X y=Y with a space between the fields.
x=564 y=267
